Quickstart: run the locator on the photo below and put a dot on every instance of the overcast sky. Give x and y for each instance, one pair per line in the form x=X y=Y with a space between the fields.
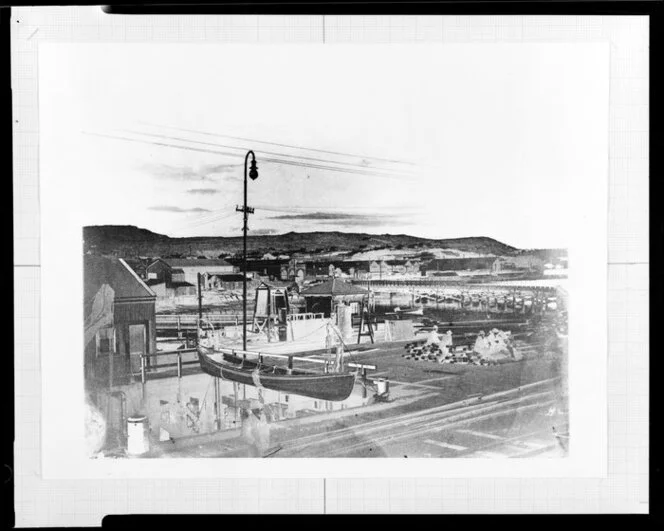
x=434 y=141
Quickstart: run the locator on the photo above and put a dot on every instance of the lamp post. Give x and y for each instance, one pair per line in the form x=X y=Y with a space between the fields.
x=253 y=173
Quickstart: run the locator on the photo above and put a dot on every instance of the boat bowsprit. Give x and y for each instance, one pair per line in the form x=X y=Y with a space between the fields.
x=333 y=386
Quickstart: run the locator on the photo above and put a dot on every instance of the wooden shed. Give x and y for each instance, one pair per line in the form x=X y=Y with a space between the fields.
x=132 y=331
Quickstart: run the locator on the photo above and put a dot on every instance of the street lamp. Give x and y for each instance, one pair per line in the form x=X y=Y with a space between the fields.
x=253 y=173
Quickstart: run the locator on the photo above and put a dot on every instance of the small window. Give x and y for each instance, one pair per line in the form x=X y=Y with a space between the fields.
x=105 y=344
x=105 y=341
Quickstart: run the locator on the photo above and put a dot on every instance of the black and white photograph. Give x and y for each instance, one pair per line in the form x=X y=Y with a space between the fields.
x=329 y=264
x=325 y=252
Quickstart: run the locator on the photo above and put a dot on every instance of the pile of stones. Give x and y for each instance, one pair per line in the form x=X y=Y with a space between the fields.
x=423 y=352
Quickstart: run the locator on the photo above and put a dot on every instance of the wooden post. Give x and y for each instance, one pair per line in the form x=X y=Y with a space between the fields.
x=359 y=332
x=179 y=365
x=235 y=384
x=179 y=329
x=290 y=364
x=217 y=405
x=142 y=368
x=364 y=383
x=110 y=369
x=200 y=298
x=514 y=301
x=269 y=315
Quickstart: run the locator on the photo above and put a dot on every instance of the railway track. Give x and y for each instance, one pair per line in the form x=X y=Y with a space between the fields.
x=415 y=424
x=454 y=421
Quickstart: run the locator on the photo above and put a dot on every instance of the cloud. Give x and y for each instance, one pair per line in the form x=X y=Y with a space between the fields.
x=343 y=219
x=220 y=168
x=321 y=216
x=168 y=208
x=203 y=191
x=327 y=216
x=205 y=172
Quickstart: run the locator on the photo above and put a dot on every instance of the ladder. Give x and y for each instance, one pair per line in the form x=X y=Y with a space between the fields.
x=365 y=320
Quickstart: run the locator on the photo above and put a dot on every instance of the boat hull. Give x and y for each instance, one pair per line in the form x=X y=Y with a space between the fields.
x=334 y=387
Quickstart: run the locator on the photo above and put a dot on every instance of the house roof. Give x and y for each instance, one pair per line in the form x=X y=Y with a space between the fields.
x=177 y=270
x=189 y=262
x=275 y=285
x=334 y=287
x=180 y=285
x=126 y=284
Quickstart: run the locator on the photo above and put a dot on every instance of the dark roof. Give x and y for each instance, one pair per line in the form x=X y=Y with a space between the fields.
x=253 y=262
x=334 y=287
x=98 y=270
x=177 y=271
x=193 y=262
x=229 y=278
x=154 y=281
x=180 y=285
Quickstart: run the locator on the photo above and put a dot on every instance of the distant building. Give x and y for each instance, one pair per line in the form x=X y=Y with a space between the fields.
x=271 y=268
x=124 y=334
x=524 y=263
x=294 y=269
x=403 y=267
x=383 y=268
x=233 y=281
x=379 y=269
x=324 y=298
x=170 y=289
x=437 y=265
x=187 y=270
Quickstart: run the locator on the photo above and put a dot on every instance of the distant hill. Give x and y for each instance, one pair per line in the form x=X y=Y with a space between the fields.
x=119 y=234
x=129 y=241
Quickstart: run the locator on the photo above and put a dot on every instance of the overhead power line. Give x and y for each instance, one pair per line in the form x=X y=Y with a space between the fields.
x=263 y=159
x=252 y=140
x=301 y=157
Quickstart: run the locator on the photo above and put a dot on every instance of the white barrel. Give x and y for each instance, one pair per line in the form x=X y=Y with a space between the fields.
x=137 y=436
x=381 y=386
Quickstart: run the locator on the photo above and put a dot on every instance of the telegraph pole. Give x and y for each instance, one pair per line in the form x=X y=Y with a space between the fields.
x=253 y=173
x=200 y=311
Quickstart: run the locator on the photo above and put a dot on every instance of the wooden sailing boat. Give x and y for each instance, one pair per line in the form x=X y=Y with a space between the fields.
x=333 y=386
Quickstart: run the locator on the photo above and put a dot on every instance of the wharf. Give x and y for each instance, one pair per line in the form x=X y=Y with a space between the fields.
x=512 y=398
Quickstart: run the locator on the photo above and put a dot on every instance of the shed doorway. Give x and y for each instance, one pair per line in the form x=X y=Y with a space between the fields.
x=137 y=346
